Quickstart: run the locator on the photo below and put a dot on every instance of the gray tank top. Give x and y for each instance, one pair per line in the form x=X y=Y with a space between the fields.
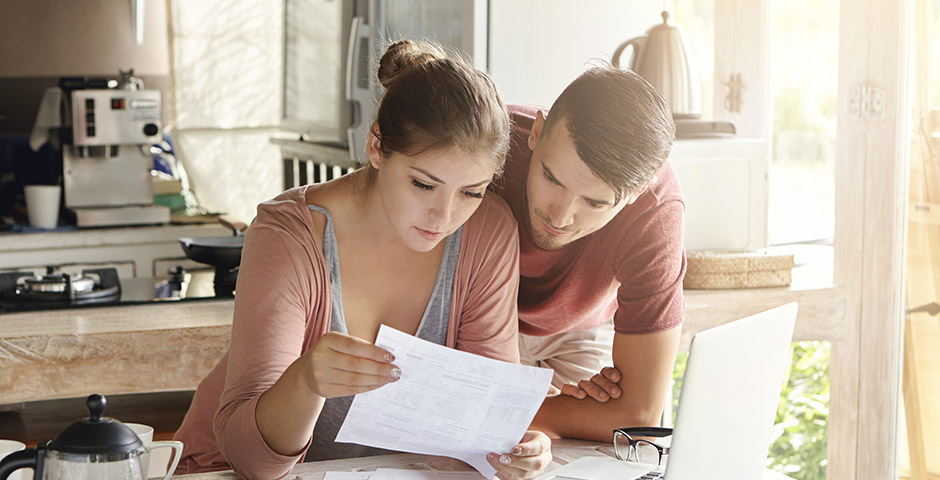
x=433 y=328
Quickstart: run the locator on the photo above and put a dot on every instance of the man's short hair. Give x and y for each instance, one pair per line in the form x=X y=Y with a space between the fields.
x=621 y=126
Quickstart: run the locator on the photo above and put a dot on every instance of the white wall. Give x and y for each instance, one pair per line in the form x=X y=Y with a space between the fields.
x=537 y=47
x=227 y=72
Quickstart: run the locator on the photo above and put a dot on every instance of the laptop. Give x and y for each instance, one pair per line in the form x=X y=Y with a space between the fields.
x=726 y=409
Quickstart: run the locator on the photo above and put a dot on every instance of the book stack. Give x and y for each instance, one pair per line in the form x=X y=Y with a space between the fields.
x=169 y=193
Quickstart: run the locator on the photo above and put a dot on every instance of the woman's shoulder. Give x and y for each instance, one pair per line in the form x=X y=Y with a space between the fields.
x=286 y=211
x=292 y=207
x=281 y=240
x=492 y=223
x=493 y=212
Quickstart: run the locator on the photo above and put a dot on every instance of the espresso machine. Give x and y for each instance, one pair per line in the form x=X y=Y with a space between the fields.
x=106 y=166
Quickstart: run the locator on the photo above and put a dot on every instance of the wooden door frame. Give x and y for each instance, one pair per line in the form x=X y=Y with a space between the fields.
x=872 y=181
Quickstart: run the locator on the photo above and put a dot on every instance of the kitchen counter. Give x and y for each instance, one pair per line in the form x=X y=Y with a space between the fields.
x=173 y=345
x=118 y=349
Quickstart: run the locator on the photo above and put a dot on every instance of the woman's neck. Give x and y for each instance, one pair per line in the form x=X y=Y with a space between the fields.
x=365 y=219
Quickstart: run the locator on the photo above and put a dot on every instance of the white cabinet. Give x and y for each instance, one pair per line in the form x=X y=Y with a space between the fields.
x=725 y=186
x=134 y=251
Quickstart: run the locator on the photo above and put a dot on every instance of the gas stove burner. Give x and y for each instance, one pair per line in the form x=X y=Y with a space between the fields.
x=63 y=288
x=58 y=283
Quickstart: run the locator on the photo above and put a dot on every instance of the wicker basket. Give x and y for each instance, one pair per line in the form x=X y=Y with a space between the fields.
x=712 y=270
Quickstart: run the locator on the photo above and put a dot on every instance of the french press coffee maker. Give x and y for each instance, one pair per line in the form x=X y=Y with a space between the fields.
x=92 y=448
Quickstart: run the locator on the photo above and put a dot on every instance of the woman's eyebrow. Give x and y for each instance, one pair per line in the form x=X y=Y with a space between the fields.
x=438 y=180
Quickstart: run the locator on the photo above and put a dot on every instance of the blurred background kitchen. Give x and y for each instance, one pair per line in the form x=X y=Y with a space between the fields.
x=230 y=71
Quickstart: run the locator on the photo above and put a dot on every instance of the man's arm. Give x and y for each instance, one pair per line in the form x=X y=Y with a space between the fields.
x=645 y=363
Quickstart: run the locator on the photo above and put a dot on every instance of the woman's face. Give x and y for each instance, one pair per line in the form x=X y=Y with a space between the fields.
x=428 y=196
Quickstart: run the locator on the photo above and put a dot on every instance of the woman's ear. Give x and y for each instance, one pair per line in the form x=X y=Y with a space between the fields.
x=374 y=148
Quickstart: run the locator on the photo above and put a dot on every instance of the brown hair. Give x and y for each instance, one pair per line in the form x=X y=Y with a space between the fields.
x=434 y=101
x=620 y=125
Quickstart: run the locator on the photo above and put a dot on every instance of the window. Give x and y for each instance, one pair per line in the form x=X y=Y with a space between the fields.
x=804 y=66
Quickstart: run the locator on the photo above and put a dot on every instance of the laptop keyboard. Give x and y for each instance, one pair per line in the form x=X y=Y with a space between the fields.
x=652 y=476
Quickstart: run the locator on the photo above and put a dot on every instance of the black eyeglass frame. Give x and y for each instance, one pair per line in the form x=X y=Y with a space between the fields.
x=630 y=433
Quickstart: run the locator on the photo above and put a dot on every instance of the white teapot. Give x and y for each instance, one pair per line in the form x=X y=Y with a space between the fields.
x=663 y=58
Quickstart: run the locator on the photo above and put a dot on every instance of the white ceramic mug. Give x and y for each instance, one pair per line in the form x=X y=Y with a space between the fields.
x=7 y=447
x=42 y=205
x=145 y=433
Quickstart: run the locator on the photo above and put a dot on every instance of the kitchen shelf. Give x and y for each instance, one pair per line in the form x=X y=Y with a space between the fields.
x=135 y=251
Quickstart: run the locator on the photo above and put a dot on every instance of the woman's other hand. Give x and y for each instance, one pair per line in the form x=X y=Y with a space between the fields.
x=527 y=460
x=341 y=365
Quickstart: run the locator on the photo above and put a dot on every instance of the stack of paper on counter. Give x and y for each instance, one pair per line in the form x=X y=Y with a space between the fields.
x=395 y=474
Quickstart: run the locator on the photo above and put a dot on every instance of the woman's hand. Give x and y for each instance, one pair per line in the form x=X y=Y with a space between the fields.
x=340 y=365
x=601 y=387
x=527 y=460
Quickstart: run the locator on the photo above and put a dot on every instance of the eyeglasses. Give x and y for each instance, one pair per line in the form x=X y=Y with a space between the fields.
x=628 y=447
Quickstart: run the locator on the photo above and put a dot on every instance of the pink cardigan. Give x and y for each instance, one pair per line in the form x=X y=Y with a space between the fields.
x=283 y=305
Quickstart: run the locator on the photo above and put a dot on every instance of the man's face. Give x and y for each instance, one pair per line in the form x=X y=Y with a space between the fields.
x=566 y=201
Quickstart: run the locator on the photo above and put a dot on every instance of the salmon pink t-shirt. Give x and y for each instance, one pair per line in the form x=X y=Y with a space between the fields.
x=630 y=270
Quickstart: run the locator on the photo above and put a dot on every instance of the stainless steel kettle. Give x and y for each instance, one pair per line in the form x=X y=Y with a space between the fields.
x=97 y=447
x=662 y=58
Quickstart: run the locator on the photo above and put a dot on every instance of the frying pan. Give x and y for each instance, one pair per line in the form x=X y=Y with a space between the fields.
x=223 y=252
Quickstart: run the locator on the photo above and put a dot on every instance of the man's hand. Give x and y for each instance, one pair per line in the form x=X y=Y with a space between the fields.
x=644 y=362
x=528 y=459
x=601 y=387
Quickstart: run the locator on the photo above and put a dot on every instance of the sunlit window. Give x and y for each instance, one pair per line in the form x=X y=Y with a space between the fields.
x=804 y=72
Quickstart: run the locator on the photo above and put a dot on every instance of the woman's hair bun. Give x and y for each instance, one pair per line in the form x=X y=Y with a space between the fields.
x=404 y=55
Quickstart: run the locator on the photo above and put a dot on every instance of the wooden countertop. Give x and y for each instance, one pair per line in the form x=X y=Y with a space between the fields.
x=111 y=350
x=173 y=345
x=170 y=315
x=820 y=312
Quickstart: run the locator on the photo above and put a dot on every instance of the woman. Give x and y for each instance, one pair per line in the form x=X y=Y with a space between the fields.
x=421 y=248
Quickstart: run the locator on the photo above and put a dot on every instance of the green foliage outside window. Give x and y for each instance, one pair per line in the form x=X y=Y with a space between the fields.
x=798 y=443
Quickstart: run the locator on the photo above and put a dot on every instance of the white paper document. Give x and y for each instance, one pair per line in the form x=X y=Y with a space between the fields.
x=403 y=474
x=447 y=402
x=397 y=474
x=600 y=468
x=343 y=476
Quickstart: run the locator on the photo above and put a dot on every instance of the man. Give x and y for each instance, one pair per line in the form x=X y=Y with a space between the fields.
x=600 y=224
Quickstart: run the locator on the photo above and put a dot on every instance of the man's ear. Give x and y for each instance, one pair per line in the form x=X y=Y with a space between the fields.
x=536 y=131
x=633 y=198
x=374 y=148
